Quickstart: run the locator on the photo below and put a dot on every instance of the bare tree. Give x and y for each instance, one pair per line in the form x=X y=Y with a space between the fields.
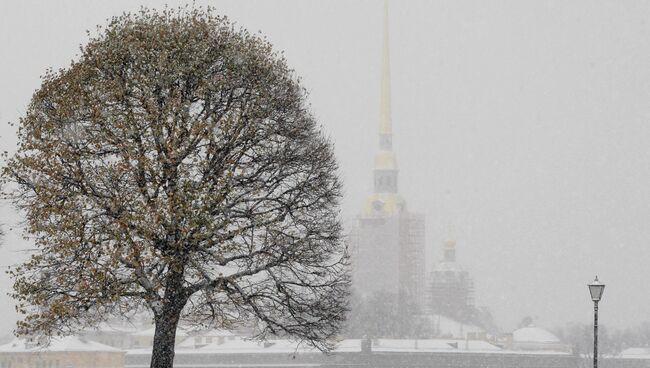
x=175 y=168
x=580 y=338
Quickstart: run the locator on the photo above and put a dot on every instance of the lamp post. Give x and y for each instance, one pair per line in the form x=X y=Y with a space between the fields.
x=596 y=291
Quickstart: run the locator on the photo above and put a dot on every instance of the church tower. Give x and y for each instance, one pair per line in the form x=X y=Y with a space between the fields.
x=451 y=288
x=388 y=240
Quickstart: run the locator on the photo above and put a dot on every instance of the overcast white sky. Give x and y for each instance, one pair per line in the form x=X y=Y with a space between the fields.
x=524 y=124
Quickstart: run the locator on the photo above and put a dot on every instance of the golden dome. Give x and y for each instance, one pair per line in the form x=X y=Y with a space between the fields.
x=385 y=204
x=385 y=160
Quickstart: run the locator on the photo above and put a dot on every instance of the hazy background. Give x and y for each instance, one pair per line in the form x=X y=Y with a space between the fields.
x=523 y=124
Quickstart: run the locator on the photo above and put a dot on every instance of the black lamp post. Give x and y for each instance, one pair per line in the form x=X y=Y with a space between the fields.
x=596 y=290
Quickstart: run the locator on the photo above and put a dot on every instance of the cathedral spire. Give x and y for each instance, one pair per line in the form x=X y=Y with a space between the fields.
x=385 y=128
x=385 y=162
x=385 y=199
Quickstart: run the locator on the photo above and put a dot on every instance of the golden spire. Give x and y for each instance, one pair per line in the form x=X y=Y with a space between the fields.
x=385 y=159
x=385 y=127
x=385 y=201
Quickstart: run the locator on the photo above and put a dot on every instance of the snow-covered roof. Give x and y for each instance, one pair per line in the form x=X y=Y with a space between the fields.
x=447 y=327
x=635 y=353
x=212 y=333
x=349 y=345
x=247 y=346
x=253 y=346
x=534 y=334
x=238 y=345
x=67 y=343
x=423 y=345
x=150 y=332
x=404 y=344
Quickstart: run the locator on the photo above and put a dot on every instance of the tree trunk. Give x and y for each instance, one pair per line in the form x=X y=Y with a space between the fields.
x=164 y=339
x=162 y=355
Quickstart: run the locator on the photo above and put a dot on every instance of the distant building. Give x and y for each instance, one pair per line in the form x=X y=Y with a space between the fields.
x=72 y=352
x=116 y=334
x=451 y=289
x=199 y=339
x=635 y=353
x=144 y=338
x=355 y=353
x=447 y=328
x=64 y=352
x=127 y=336
x=388 y=240
x=532 y=338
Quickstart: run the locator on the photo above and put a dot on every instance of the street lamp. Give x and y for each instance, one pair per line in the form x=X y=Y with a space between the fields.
x=596 y=290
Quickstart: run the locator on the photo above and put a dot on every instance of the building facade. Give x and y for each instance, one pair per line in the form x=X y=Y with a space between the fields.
x=63 y=352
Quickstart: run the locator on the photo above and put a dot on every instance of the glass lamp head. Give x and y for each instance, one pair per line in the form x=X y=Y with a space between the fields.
x=596 y=289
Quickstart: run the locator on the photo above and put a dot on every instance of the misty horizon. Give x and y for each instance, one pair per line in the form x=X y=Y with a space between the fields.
x=521 y=126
